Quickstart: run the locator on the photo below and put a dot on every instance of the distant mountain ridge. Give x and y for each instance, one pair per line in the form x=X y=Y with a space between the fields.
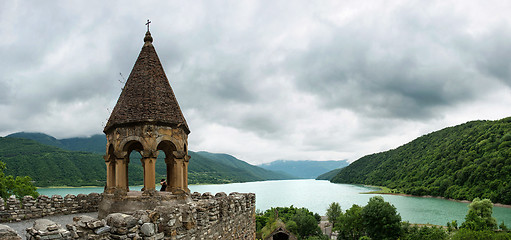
x=56 y=162
x=462 y=162
x=307 y=169
x=95 y=143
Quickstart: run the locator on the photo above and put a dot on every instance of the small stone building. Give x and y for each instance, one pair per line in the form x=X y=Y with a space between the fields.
x=147 y=118
x=281 y=233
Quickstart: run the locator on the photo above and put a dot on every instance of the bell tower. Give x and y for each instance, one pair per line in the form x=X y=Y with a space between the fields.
x=147 y=118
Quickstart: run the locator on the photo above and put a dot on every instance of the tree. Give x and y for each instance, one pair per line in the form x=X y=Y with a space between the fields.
x=333 y=213
x=3 y=186
x=503 y=227
x=479 y=216
x=306 y=223
x=300 y=221
x=425 y=232
x=19 y=186
x=380 y=219
x=350 y=224
x=467 y=234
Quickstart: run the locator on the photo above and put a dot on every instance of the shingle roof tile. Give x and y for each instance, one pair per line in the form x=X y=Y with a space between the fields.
x=147 y=95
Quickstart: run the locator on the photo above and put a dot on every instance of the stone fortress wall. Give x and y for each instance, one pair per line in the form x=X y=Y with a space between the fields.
x=29 y=207
x=207 y=216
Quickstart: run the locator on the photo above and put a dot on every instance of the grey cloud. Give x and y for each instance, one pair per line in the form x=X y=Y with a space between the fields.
x=491 y=53
x=407 y=73
x=5 y=91
x=268 y=68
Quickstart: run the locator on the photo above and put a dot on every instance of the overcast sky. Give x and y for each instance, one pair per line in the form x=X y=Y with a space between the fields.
x=263 y=80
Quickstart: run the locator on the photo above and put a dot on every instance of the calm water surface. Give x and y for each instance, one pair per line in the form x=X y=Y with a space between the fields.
x=317 y=195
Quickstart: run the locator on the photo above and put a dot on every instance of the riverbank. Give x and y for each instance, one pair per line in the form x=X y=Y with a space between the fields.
x=388 y=191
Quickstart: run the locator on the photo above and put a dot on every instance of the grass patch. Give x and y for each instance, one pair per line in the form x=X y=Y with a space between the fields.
x=383 y=190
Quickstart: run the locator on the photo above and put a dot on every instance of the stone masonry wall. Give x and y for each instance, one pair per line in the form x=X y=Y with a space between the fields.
x=220 y=217
x=210 y=217
x=28 y=207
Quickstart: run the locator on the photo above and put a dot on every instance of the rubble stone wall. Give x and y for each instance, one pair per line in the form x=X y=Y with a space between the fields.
x=29 y=207
x=220 y=216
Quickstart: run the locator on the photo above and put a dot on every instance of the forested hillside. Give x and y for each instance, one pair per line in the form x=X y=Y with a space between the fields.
x=462 y=162
x=329 y=175
x=53 y=166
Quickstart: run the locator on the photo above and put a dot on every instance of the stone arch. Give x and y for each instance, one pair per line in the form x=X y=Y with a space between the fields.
x=168 y=147
x=131 y=142
x=133 y=145
x=126 y=147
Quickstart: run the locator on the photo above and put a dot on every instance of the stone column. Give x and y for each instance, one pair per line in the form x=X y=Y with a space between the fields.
x=170 y=173
x=121 y=174
x=185 y=173
x=143 y=172
x=149 y=173
x=110 y=175
x=178 y=167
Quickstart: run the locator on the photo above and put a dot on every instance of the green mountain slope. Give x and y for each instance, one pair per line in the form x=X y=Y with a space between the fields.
x=38 y=137
x=462 y=162
x=95 y=143
x=304 y=169
x=250 y=169
x=329 y=175
x=52 y=166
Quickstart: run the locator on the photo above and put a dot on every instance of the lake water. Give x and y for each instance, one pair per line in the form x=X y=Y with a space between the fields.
x=316 y=195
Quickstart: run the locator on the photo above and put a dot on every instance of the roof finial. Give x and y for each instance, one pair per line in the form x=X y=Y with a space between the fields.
x=148 y=21
x=148 y=39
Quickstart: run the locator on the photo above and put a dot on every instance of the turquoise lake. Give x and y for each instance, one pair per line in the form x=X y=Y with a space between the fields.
x=316 y=195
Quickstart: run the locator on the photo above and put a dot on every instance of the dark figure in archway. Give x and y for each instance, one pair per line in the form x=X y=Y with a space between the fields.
x=163 y=185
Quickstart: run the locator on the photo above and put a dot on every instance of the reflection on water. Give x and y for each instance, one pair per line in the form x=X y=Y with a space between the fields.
x=317 y=195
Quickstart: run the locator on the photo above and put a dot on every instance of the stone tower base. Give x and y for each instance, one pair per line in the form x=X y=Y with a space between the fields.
x=129 y=202
x=199 y=216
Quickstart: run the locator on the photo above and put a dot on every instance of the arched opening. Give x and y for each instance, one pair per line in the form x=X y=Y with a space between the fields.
x=161 y=171
x=135 y=169
x=168 y=148
x=134 y=172
x=280 y=236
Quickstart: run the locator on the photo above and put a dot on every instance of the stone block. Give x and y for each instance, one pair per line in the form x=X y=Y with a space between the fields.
x=121 y=220
x=7 y=233
x=148 y=229
x=102 y=230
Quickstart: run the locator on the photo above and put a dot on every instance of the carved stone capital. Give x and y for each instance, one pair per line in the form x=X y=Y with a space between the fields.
x=122 y=154
x=149 y=154
x=179 y=154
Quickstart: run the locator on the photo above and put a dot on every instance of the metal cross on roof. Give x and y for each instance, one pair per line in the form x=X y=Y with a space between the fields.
x=148 y=24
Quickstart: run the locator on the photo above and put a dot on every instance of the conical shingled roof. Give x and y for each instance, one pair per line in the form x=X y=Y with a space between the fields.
x=147 y=96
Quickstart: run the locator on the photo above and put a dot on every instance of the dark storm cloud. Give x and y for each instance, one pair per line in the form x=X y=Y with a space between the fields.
x=491 y=52
x=393 y=67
